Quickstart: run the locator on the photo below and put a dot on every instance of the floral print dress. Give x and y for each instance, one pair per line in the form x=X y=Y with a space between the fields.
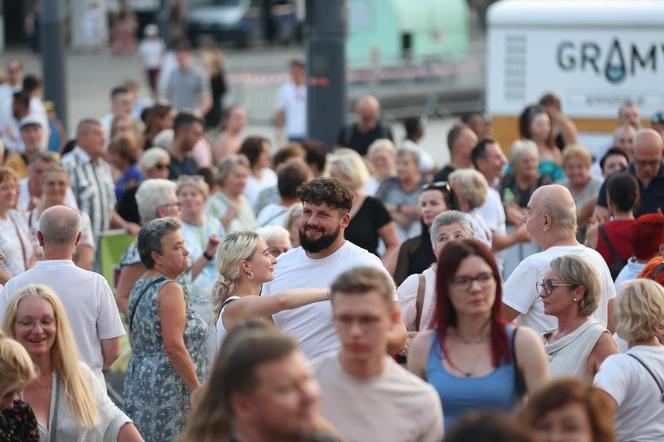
x=156 y=398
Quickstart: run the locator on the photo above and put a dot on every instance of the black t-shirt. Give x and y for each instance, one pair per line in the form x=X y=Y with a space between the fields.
x=177 y=167
x=363 y=227
x=351 y=137
x=415 y=256
x=443 y=174
x=651 y=198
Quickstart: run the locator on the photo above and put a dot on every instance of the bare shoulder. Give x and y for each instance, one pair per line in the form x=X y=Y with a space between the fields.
x=526 y=341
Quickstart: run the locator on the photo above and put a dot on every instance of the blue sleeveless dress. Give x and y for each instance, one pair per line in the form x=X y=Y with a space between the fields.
x=460 y=395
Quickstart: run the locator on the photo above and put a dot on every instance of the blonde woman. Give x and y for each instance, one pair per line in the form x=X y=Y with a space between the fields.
x=244 y=263
x=382 y=157
x=634 y=381
x=470 y=191
x=369 y=219
x=228 y=204
x=17 y=421
x=201 y=235
x=66 y=397
x=570 y=291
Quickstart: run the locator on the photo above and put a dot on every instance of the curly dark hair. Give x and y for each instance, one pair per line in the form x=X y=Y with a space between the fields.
x=326 y=190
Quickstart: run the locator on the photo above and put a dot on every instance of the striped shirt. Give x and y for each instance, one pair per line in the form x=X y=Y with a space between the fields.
x=92 y=184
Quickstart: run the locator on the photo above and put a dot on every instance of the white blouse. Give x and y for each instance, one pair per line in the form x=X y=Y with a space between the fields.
x=67 y=429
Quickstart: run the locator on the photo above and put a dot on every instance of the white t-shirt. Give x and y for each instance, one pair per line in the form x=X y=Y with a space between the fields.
x=292 y=100
x=407 y=294
x=493 y=212
x=254 y=185
x=151 y=52
x=519 y=291
x=640 y=414
x=629 y=272
x=312 y=324
x=393 y=406
x=24 y=196
x=88 y=301
x=271 y=215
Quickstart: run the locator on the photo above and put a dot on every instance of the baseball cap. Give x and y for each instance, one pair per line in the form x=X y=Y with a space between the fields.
x=30 y=120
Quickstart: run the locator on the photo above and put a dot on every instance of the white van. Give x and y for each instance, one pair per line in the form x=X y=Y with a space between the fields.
x=593 y=54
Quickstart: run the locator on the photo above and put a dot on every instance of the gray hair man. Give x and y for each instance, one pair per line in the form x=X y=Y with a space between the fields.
x=86 y=296
x=551 y=223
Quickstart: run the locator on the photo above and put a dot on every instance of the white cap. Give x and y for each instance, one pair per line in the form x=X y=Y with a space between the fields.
x=29 y=120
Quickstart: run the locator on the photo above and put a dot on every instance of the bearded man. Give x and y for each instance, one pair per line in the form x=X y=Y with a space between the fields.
x=323 y=255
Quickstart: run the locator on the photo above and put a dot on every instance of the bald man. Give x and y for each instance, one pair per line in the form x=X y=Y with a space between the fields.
x=366 y=129
x=551 y=223
x=648 y=168
x=86 y=296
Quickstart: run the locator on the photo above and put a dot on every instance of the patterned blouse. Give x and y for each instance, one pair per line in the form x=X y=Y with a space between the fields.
x=18 y=424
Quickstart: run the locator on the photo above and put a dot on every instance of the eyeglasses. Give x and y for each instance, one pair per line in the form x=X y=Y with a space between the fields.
x=547 y=286
x=166 y=206
x=27 y=324
x=465 y=283
x=365 y=321
x=162 y=166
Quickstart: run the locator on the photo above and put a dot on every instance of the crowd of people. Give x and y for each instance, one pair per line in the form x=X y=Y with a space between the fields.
x=305 y=292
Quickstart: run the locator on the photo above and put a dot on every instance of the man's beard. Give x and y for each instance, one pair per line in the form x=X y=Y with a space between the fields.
x=320 y=244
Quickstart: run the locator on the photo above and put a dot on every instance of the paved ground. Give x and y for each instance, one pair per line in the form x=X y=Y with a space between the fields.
x=91 y=76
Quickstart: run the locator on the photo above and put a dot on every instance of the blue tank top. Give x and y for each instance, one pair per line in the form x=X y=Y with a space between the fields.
x=459 y=395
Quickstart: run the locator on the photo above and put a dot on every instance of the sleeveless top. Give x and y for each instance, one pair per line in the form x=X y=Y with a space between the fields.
x=220 y=330
x=568 y=356
x=620 y=235
x=459 y=395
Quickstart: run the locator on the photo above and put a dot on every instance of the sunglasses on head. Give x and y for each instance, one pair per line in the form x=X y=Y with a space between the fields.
x=438 y=185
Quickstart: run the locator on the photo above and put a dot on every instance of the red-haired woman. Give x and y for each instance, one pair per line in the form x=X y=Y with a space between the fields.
x=468 y=356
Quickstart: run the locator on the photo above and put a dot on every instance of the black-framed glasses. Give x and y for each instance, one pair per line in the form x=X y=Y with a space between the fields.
x=465 y=283
x=547 y=286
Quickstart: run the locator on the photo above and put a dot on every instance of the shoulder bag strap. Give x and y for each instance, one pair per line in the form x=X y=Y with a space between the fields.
x=140 y=296
x=20 y=240
x=53 y=428
x=614 y=253
x=661 y=390
x=273 y=217
x=421 y=287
